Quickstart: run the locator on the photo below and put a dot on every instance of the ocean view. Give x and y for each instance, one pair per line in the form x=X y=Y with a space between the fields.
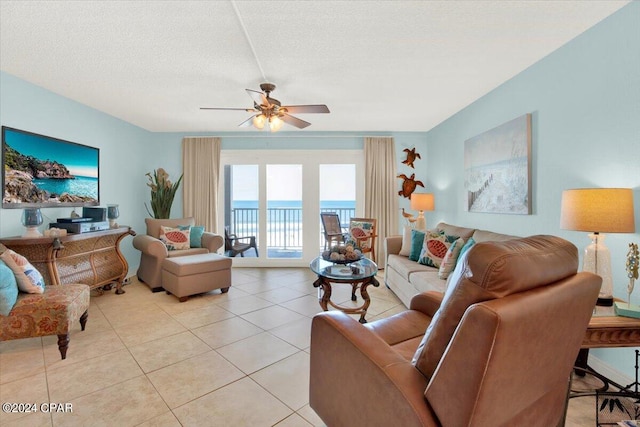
x=81 y=186
x=273 y=204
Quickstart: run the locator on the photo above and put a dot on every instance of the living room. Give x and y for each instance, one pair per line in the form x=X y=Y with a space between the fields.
x=583 y=97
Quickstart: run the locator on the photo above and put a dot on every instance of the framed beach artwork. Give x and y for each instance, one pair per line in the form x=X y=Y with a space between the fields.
x=497 y=169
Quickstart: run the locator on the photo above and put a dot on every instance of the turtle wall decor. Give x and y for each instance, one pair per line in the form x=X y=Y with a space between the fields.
x=411 y=157
x=409 y=185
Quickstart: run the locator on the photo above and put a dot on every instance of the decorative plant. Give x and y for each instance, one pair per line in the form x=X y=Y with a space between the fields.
x=162 y=193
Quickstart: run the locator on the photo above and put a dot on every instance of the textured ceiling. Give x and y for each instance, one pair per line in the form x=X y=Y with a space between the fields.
x=378 y=65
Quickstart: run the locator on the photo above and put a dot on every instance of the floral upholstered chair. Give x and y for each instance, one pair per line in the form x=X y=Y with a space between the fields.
x=50 y=313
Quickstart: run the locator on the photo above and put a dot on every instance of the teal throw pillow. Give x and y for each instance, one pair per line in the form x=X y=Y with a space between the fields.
x=8 y=289
x=196 y=236
x=466 y=246
x=417 y=239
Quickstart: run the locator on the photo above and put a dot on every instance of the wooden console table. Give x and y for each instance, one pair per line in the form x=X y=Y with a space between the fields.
x=92 y=258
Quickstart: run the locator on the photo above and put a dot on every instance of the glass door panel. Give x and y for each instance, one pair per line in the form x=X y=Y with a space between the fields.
x=241 y=214
x=284 y=211
x=338 y=192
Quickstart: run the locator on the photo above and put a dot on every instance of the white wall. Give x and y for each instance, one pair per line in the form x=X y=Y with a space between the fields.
x=585 y=101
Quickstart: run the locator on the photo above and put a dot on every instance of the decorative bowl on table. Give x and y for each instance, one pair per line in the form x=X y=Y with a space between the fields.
x=342 y=254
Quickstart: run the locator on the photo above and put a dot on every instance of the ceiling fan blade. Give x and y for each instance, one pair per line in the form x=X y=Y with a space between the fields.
x=250 y=110
x=258 y=97
x=294 y=121
x=298 y=109
x=246 y=123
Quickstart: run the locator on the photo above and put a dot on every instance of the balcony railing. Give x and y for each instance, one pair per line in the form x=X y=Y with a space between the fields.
x=284 y=226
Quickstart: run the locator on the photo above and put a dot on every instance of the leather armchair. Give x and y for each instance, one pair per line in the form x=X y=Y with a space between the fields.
x=496 y=349
x=153 y=251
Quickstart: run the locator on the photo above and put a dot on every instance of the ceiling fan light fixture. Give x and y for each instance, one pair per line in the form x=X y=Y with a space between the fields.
x=259 y=120
x=275 y=123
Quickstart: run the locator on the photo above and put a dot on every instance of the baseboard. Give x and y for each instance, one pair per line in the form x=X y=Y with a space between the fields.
x=614 y=375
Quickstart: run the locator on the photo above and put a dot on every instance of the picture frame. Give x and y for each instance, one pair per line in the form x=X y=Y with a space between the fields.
x=497 y=169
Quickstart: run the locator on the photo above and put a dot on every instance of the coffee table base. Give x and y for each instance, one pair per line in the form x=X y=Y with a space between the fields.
x=325 y=300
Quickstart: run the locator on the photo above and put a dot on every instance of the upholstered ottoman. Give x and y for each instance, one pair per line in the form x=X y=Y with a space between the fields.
x=195 y=274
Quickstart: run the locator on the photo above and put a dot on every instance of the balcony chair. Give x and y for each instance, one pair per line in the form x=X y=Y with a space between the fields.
x=153 y=251
x=496 y=349
x=363 y=234
x=332 y=229
x=233 y=246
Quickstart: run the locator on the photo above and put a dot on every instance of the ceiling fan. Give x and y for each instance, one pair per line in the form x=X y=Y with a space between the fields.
x=269 y=110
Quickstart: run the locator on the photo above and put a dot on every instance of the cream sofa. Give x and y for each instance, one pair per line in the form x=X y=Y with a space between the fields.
x=407 y=278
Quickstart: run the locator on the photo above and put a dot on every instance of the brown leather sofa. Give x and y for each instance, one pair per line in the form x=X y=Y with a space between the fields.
x=496 y=349
x=153 y=251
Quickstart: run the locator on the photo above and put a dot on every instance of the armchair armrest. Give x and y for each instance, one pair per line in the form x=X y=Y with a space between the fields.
x=427 y=302
x=212 y=241
x=150 y=246
x=392 y=245
x=357 y=379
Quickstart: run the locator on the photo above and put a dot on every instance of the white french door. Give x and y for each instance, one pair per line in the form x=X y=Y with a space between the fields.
x=276 y=196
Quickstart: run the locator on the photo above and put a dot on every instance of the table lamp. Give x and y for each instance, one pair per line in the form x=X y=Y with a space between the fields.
x=422 y=202
x=32 y=219
x=598 y=210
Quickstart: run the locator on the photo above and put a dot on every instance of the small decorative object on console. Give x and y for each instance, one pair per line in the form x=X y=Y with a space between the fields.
x=113 y=213
x=628 y=309
x=32 y=219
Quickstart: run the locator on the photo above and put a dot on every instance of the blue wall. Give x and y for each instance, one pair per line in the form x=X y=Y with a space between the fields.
x=585 y=102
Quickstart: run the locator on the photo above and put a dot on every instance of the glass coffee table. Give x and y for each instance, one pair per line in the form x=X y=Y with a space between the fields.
x=359 y=274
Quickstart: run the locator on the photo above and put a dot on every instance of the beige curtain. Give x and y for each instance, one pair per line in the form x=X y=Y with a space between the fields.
x=201 y=168
x=380 y=194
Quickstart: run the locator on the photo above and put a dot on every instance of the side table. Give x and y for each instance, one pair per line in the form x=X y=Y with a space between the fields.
x=92 y=258
x=357 y=274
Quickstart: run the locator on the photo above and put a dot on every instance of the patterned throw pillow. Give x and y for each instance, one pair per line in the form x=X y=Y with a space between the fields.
x=359 y=233
x=29 y=279
x=417 y=240
x=435 y=247
x=176 y=238
x=450 y=259
x=8 y=289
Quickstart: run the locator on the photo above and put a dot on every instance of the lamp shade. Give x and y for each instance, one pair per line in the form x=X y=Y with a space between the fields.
x=602 y=210
x=422 y=202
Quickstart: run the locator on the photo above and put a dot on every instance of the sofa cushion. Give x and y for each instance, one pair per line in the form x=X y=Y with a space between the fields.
x=404 y=266
x=8 y=289
x=195 y=237
x=427 y=280
x=454 y=230
x=185 y=252
x=490 y=236
x=450 y=259
x=417 y=240
x=492 y=270
x=434 y=248
x=29 y=279
x=405 y=249
x=153 y=224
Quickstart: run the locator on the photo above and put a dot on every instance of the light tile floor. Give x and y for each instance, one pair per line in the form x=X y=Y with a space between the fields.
x=234 y=359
